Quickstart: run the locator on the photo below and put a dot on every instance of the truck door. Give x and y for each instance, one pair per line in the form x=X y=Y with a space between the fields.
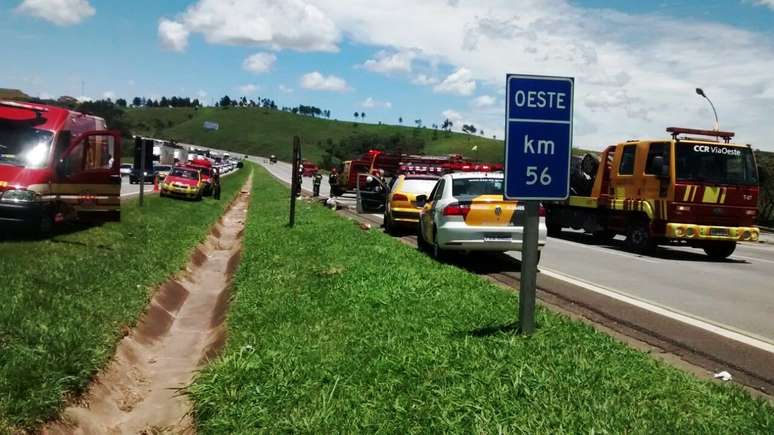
x=88 y=173
x=624 y=178
x=655 y=185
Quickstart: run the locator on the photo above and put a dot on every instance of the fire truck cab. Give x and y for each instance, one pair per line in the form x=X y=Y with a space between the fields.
x=685 y=190
x=56 y=165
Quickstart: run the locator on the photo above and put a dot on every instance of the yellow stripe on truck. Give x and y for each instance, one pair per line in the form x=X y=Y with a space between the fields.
x=687 y=195
x=711 y=195
x=723 y=195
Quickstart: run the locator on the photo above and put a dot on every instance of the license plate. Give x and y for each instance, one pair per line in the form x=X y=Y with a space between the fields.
x=719 y=232
x=495 y=237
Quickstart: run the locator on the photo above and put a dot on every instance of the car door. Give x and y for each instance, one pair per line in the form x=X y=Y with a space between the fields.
x=431 y=210
x=88 y=173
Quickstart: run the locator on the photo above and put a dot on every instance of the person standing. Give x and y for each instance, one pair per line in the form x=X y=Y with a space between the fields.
x=316 y=182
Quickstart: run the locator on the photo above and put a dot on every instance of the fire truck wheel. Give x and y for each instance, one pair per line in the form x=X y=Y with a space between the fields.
x=720 y=250
x=553 y=229
x=638 y=238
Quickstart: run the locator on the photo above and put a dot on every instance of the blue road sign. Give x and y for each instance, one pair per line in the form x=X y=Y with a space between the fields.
x=538 y=137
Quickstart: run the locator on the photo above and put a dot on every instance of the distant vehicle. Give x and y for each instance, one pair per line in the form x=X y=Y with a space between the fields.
x=56 y=165
x=697 y=192
x=204 y=166
x=466 y=211
x=126 y=169
x=273 y=158
x=183 y=182
x=135 y=176
x=309 y=168
x=162 y=171
x=402 y=209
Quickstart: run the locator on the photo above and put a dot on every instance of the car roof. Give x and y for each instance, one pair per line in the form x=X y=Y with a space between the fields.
x=419 y=177
x=464 y=175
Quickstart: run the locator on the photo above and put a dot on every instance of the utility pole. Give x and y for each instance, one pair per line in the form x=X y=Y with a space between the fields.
x=700 y=91
x=295 y=179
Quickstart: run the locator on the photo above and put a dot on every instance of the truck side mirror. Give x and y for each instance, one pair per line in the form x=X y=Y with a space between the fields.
x=421 y=200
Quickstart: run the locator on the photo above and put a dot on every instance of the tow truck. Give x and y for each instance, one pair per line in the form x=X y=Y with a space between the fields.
x=696 y=189
x=204 y=166
x=56 y=165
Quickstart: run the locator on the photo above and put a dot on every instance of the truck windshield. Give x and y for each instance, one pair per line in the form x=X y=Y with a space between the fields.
x=715 y=163
x=25 y=146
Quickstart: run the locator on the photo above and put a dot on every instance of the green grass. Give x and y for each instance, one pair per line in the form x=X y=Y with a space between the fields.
x=339 y=330
x=263 y=132
x=65 y=301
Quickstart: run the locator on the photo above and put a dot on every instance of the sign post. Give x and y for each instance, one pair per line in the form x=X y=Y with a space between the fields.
x=295 y=179
x=538 y=145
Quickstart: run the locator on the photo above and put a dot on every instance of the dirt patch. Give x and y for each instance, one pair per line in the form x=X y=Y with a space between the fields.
x=139 y=392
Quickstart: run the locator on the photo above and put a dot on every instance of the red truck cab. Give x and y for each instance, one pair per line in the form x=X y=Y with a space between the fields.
x=56 y=165
x=309 y=168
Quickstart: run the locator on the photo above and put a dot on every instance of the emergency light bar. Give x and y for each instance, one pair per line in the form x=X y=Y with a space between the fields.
x=725 y=135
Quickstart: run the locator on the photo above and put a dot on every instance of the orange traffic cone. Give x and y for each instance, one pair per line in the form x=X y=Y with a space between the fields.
x=156 y=183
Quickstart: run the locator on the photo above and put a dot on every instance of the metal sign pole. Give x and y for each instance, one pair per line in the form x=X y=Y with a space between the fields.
x=529 y=260
x=142 y=172
x=294 y=179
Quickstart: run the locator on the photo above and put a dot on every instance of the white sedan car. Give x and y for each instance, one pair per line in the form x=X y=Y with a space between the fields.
x=466 y=212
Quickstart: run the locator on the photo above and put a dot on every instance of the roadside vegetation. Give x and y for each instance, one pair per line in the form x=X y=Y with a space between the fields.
x=67 y=300
x=336 y=329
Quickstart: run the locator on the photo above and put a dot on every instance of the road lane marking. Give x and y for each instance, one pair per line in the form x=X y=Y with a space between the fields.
x=726 y=331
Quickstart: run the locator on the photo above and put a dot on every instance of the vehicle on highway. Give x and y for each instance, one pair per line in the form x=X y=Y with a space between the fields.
x=685 y=190
x=401 y=209
x=161 y=171
x=272 y=158
x=135 y=176
x=204 y=166
x=308 y=168
x=56 y=165
x=126 y=169
x=466 y=211
x=183 y=182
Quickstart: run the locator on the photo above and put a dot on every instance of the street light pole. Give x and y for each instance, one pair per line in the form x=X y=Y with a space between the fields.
x=700 y=91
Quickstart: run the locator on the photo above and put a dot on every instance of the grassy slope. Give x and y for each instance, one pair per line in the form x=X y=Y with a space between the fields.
x=264 y=132
x=66 y=300
x=340 y=330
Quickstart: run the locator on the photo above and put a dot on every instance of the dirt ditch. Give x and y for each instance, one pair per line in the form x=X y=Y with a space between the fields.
x=183 y=327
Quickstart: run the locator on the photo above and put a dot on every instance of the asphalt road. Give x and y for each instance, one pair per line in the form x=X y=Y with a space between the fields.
x=133 y=189
x=736 y=294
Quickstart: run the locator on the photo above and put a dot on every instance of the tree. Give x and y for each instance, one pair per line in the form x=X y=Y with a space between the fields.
x=357 y=115
x=362 y=115
x=469 y=128
x=225 y=101
x=418 y=122
x=121 y=103
x=400 y=120
x=137 y=102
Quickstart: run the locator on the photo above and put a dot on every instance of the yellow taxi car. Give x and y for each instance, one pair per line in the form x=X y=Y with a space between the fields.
x=183 y=182
x=401 y=209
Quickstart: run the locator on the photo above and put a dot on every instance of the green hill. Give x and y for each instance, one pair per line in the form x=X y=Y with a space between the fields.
x=263 y=132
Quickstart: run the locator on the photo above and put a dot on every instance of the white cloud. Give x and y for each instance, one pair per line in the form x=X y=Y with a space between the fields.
x=202 y=93
x=285 y=90
x=289 y=24
x=370 y=103
x=387 y=63
x=597 y=47
x=45 y=96
x=453 y=116
x=83 y=99
x=248 y=89
x=768 y=3
x=259 y=62
x=173 y=35
x=424 y=80
x=318 y=82
x=483 y=101
x=109 y=95
x=458 y=83
x=59 y=12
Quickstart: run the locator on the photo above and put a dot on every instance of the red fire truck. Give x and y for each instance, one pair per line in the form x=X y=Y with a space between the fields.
x=204 y=166
x=56 y=165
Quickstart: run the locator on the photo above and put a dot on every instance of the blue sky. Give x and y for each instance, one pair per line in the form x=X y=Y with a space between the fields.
x=636 y=64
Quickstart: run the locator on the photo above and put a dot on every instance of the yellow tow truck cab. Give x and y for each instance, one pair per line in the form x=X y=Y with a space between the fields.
x=684 y=190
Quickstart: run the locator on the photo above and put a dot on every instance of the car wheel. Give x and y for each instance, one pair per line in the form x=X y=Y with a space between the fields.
x=389 y=227
x=438 y=253
x=639 y=239
x=720 y=250
x=46 y=224
x=422 y=245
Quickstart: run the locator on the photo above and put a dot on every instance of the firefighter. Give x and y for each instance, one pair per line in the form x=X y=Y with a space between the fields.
x=333 y=180
x=300 y=179
x=216 y=184
x=316 y=181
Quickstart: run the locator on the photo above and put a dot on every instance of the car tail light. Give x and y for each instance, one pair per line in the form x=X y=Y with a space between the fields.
x=456 y=209
x=399 y=197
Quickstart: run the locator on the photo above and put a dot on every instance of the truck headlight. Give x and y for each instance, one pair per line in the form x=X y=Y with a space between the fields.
x=20 y=195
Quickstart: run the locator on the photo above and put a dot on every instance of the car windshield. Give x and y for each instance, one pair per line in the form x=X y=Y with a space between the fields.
x=418 y=186
x=477 y=186
x=715 y=163
x=184 y=173
x=163 y=168
x=23 y=145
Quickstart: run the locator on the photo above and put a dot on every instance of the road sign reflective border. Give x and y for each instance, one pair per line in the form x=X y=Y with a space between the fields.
x=538 y=136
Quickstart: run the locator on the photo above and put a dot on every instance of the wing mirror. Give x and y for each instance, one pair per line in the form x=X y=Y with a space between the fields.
x=658 y=167
x=62 y=168
x=421 y=200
